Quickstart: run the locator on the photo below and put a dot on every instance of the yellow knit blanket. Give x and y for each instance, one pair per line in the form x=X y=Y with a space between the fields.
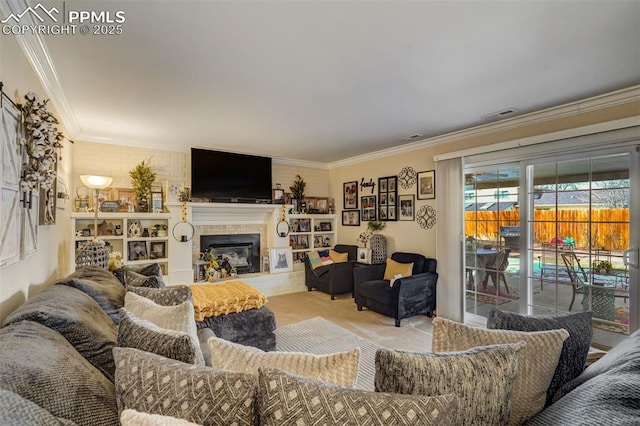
x=211 y=300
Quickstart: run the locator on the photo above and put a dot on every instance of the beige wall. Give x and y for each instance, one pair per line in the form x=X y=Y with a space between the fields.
x=25 y=278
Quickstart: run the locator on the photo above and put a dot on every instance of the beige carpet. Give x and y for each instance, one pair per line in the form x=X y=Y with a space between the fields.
x=413 y=335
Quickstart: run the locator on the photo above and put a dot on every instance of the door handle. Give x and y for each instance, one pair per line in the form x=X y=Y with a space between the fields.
x=627 y=257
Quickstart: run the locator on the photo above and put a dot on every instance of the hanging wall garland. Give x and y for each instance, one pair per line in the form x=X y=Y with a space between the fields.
x=407 y=177
x=426 y=217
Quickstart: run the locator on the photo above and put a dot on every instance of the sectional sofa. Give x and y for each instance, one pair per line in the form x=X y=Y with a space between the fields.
x=57 y=364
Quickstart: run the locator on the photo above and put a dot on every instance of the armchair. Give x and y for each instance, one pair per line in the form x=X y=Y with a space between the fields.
x=336 y=278
x=407 y=297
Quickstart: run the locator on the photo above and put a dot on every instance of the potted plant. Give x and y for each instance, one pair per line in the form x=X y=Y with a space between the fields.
x=603 y=266
x=297 y=191
x=142 y=177
x=161 y=229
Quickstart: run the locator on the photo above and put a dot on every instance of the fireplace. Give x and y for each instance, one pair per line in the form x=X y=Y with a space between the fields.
x=242 y=250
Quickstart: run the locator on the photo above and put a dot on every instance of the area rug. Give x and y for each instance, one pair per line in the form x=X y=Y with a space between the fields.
x=319 y=336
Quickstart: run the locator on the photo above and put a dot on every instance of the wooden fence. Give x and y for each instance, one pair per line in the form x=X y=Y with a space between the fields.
x=609 y=228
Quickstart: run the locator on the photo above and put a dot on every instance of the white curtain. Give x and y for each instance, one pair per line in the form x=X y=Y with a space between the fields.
x=449 y=238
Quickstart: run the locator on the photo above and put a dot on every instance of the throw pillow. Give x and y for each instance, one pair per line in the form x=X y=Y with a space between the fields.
x=538 y=360
x=169 y=296
x=325 y=257
x=153 y=384
x=16 y=410
x=314 y=259
x=136 y=418
x=40 y=365
x=148 y=269
x=134 y=332
x=484 y=374
x=284 y=398
x=179 y=318
x=338 y=257
x=575 y=349
x=134 y=279
x=339 y=368
x=393 y=268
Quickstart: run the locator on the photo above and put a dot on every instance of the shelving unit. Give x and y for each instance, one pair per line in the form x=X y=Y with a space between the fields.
x=123 y=232
x=311 y=232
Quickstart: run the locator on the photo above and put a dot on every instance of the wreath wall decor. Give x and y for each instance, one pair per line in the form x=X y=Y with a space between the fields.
x=426 y=217
x=407 y=177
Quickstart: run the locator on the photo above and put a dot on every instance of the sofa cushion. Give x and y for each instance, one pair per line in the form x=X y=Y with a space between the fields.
x=16 y=410
x=339 y=368
x=39 y=364
x=153 y=384
x=134 y=279
x=338 y=257
x=393 y=269
x=484 y=374
x=575 y=348
x=178 y=318
x=169 y=296
x=135 y=332
x=148 y=269
x=538 y=360
x=136 y=418
x=101 y=285
x=78 y=318
x=284 y=398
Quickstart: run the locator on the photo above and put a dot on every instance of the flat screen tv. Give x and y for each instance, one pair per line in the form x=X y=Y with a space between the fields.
x=226 y=177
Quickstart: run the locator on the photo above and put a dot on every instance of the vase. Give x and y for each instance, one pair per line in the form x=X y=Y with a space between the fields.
x=378 y=248
x=135 y=229
x=142 y=204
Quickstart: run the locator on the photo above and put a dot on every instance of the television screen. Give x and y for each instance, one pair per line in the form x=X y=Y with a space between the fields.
x=230 y=178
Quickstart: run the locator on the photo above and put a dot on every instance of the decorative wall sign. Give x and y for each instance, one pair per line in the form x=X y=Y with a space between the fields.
x=407 y=177
x=426 y=217
x=427 y=185
x=388 y=198
x=350 y=193
x=407 y=207
x=371 y=184
x=368 y=203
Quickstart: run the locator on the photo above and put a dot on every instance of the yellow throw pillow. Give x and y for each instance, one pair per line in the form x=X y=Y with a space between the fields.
x=338 y=257
x=394 y=268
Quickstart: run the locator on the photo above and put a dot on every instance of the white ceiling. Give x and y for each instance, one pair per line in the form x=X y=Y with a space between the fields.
x=324 y=81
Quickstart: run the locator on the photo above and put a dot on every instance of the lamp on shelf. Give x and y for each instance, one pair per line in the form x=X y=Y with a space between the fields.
x=94 y=252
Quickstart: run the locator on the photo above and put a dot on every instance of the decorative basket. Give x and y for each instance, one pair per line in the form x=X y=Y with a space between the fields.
x=93 y=253
x=378 y=248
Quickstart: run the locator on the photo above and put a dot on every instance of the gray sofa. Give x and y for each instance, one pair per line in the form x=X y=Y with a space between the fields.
x=56 y=366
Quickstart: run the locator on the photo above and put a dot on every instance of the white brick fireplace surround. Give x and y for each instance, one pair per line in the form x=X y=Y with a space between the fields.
x=218 y=219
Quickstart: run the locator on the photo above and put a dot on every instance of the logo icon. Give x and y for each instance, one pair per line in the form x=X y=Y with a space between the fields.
x=34 y=12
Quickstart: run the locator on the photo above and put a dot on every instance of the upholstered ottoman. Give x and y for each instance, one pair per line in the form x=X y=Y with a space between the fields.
x=254 y=327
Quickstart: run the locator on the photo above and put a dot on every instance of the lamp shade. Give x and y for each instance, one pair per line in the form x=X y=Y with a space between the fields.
x=96 y=182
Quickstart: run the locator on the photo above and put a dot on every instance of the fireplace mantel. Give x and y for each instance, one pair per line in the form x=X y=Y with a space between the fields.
x=229 y=213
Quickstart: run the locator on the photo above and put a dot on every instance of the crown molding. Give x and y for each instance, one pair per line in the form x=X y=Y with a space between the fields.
x=619 y=97
x=38 y=56
x=301 y=163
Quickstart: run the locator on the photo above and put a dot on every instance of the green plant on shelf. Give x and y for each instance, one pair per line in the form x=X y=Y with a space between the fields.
x=601 y=265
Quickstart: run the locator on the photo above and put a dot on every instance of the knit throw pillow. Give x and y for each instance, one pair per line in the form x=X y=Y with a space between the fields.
x=134 y=279
x=484 y=374
x=179 y=318
x=338 y=368
x=538 y=359
x=156 y=385
x=169 y=296
x=574 y=351
x=284 y=398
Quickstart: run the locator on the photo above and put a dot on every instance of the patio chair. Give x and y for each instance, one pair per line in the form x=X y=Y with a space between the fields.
x=577 y=283
x=496 y=270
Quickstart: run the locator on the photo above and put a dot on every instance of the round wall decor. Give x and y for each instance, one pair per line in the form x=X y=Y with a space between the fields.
x=426 y=217
x=407 y=177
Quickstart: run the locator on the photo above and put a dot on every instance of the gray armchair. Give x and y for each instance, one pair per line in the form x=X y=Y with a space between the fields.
x=333 y=279
x=407 y=297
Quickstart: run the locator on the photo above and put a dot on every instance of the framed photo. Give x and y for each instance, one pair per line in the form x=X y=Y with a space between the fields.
x=278 y=196
x=322 y=205
x=364 y=255
x=137 y=250
x=157 y=202
x=317 y=241
x=125 y=198
x=157 y=250
x=427 y=185
x=351 y=218
x=350 y=193
x=325 y=226
x=281 y=260
x=304 y=225
x=387 y=198
x=368 y=209
x=407 y=207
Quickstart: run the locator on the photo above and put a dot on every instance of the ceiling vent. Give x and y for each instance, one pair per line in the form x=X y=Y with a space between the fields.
x=413 y=137
x=500 y=114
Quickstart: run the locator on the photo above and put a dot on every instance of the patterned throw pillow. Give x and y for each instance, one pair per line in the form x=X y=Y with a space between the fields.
x=153 y=384
x=575 y=350
x=314 y=259
x=484 y=374
x=538 y=360
x=169 y=296
x=134 y=279
x=140 y=334
x=393 y=268
x=179 y=318
x=136 y=418
x=148 y=269
x=284 y=398
x=325 y=257
x=338 y=257
x=339 y=368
